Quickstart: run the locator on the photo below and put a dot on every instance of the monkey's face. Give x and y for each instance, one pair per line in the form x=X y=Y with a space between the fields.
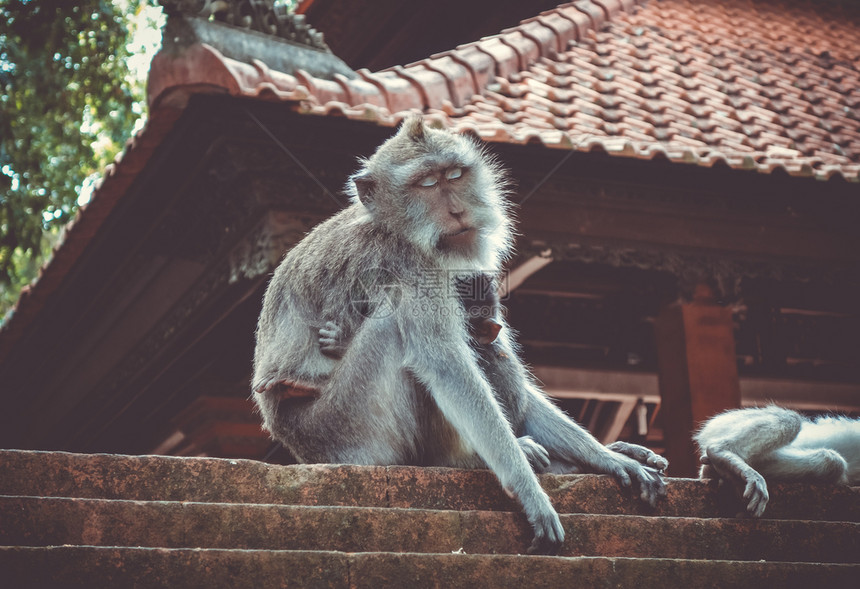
x=443 y=198
x=439 y=191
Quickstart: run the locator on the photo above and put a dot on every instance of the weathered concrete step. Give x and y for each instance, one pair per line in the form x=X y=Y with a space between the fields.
x=111 y=476
x=40 y=521
x=87 y=567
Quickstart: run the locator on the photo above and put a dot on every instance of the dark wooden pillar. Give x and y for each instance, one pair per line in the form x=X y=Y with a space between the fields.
x=697 y=371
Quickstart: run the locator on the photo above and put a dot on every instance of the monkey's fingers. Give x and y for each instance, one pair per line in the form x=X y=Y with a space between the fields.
x=756 y=492
x=651 y=486
x=657 y=461
x=640 y=454
x=618 y=471
x=647 y=480
x=267 y=385
x=332 y=349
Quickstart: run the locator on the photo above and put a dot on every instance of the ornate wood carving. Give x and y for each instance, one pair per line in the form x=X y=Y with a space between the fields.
x=264 y=16
x=725 y=274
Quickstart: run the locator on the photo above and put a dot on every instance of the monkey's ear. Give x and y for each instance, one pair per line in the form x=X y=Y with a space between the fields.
x=364 y=186
x=413 y=126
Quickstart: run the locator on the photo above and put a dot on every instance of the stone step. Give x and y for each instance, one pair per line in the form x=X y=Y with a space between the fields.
x=40 y=521
x=109 y=476
x=88 y=566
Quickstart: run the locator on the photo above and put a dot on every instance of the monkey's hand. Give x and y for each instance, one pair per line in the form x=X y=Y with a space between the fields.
x=536 y=454
x=629 y=472
x=755 y=492
x=549 y=533
x=731 y=467
x=640 y=454
x=331 y=340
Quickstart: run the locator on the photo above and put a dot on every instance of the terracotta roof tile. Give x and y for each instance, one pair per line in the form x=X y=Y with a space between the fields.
x=731 y=79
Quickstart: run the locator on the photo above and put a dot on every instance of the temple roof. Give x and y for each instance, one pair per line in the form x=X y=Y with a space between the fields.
x=770 y=85
x=751 y=85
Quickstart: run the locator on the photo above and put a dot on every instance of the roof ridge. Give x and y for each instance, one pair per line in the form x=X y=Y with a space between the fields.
x=440 y=82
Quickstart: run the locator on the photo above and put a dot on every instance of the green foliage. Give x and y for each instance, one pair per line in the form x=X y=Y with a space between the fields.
x=67 y=105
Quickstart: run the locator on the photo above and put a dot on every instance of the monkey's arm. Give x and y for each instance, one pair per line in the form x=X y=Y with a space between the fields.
x=732 y=467
x=443 y=361
x=734 y=440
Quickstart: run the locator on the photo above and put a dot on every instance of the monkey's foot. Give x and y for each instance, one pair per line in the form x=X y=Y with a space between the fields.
x=640 y=454
x=285 y=389
x=536 y=454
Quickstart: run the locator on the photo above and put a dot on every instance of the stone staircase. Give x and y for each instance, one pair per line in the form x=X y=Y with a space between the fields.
x=73 y=520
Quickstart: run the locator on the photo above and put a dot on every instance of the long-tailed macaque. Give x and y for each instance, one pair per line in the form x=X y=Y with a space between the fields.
x=410 y=384
x=748 y=447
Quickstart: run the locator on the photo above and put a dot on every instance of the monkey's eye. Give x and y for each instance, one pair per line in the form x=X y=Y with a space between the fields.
x=454 y=173
x=428 y=181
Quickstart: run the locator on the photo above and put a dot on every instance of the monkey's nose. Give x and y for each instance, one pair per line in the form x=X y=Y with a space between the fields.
x=455 y=206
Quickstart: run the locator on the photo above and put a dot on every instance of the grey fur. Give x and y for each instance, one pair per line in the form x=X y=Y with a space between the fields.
x=751 y=446
x=407 y=385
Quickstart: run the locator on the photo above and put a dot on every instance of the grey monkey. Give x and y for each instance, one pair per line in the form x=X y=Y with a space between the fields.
x=748 y=447
x=478 y=294
x=480 y=301
x=410 y=387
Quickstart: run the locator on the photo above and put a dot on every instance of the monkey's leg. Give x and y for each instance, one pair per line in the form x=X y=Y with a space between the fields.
x=737 y=443
x=640 y=454
x=732 y=467
x=364 y=413
x=444 y=363
x=821 y=465
x=752 y=433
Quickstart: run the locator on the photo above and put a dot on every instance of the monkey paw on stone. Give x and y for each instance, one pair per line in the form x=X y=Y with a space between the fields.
x=756 y=493
x=629 y=472
x=549 y=533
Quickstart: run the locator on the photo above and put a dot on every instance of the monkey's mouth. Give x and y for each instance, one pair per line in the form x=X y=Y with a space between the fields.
x=462 y=231
x=461 y=240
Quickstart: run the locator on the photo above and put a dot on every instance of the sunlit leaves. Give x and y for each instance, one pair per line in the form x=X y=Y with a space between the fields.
x=67 y=105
